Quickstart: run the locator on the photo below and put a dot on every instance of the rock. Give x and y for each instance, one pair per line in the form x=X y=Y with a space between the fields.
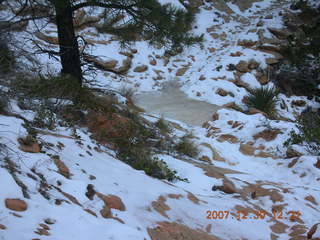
x=153 y=62
x=228 y=187
x=141 y=68
x=222 y=92
x=312 y=231
x=253 y=64
x=50 y=221
x=263 y=80
x=62 y=168
x=212 y=50
x=42 y=232
x=228 y=137
x=299 y=103
x=215 y=116
x=291 y=153
x=243 y=66
x=3 y=227
x=181 y=71
x=293 y=162
x=112 y=201
x=247 y=149
x=202 y=77
x=90 y=191
x=268 y=47
x=311 y=199
x=177 y=231
x=247 y=43
x=198 y=94
x=205 y=159
x=280 y=34
x=271 y=61
x=16 y=204
x=236 y=54
x=32 y=148
x=106 y=212
x=267 y=134
x=44 y=226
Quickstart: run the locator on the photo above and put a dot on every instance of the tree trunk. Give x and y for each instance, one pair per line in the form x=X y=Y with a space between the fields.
x=69 y=48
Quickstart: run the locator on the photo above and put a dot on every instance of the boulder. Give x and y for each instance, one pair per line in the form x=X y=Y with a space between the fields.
x=243 y=66
x=181 y=71
x=221 y=92
x=141 y=68
x=16 y=204
x=291 y=153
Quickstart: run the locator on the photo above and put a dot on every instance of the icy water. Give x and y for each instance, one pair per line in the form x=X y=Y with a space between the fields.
x=172 y=103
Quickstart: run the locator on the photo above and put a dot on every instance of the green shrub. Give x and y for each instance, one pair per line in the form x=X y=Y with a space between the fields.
x=45 y=118
x=308 y=124
x=263 y=99
x=186 y=147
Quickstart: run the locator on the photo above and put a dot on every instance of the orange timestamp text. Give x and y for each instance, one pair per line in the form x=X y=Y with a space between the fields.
x=255 y=215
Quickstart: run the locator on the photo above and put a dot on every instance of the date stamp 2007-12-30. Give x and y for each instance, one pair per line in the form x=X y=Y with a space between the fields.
x=255 y=215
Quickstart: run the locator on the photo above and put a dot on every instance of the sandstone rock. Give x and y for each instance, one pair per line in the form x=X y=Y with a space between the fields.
x=312 y=231
x=228 y=187
x=236 y=54
x=291 y=153
x=177 y=231
x=42 y=232
x=253 y=64
x=112 y=201
x=181 y=71
x=160 y=206
x=153 y=62
x=228 y=137
x=299 y=103
x=141 y=68
x=205 y=159
x=3 y=227
x=263 y=80
x=311 y=199
x=243 y=66
x=106 y=212
x=16 y=204
x=247 y=149
x=44 y=226
x=293 y=162
x=247 y=43
x=32 y=148
x=267 y=134
x=62 y=168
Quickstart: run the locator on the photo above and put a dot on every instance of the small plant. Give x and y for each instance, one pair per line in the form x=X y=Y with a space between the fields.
x=308 y=124
x=45 y=118
x=163 y=126
x=186 y=147
x=263 y=99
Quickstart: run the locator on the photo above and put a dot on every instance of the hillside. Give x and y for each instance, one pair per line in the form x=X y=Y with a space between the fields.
x=63 y=178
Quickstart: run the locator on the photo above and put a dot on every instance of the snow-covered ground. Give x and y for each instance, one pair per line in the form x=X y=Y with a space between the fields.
x=237 y=152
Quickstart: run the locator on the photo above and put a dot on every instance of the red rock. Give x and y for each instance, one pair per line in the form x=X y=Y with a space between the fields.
x=112 y=201
x=16 y=204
